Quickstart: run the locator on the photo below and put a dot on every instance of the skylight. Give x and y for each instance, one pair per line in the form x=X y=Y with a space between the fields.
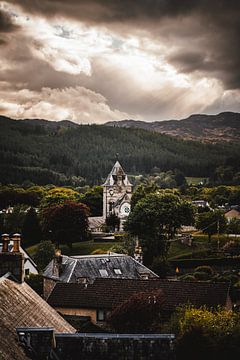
x=103 y=272
x=117 y=271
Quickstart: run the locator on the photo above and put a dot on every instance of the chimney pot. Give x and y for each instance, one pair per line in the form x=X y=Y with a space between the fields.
x=5 y=242
x=16 y=238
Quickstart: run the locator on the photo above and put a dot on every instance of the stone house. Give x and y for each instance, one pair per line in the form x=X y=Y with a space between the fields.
x=98 y=298
x=85 y=269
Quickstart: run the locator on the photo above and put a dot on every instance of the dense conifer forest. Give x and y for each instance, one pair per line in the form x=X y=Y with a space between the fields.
x=64 y=153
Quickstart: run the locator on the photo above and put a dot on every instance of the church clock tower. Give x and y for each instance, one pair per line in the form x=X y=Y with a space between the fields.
x=117 y=193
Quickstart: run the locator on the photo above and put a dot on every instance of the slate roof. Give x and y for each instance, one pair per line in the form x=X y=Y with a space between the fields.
x=117 y=169
x=21 y=306
x=89 y=267
x=95 y=221
x=108 y=293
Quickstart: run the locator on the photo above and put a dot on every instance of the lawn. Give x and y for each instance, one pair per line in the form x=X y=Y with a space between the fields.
x=80 y=248
x=200 y=246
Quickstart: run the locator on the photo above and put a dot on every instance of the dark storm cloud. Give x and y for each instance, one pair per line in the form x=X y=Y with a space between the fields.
x=108 y=10
x=123 y=10
x=6 y=24
x=209 y=40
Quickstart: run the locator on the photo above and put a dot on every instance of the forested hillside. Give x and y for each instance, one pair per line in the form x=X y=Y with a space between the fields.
x=207 y=128
x=65 y=153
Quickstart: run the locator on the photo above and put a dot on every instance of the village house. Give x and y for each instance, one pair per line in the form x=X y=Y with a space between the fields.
x=85 y=269
x=232 y=214
x=20 y=305
x=98 y=298
x=201 y=203
x=32 y=329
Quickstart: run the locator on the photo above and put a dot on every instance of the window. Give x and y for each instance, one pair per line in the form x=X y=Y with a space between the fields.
x=117 y=271
x=103 y=273
x=101 y=315
x=145 y=276
x=27 y=272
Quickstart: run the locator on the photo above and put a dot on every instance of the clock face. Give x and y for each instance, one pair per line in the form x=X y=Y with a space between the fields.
x=125 y=209
x=111 y=192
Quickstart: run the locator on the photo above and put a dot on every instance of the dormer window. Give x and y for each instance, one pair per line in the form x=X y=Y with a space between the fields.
x=103 y=272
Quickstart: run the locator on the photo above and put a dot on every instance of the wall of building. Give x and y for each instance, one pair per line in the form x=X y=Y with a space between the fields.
x=99 y=346
x=80 y=312
x=28 y=265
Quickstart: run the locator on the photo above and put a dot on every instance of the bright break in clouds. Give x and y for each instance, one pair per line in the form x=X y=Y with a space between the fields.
x=99 y=60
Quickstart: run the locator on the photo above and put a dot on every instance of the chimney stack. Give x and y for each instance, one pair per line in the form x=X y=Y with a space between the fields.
x=138 y=253
x=12 y=261
x=57 y=263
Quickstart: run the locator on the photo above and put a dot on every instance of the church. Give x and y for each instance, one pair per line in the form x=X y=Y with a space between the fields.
x=117 y=193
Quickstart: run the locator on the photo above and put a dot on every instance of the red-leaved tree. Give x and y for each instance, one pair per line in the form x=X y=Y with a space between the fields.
x=138 y=313
x=66 y=223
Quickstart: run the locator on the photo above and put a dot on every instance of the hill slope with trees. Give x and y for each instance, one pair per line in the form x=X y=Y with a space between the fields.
x=208 y=128
x=64 y=153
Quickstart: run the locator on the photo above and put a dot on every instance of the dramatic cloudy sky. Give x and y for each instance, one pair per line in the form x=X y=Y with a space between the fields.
x=100 y=60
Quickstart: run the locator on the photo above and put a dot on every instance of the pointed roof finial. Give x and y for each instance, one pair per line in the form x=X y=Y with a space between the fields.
x=117 y=156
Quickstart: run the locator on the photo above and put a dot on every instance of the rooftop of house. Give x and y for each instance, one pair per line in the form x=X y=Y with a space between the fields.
x=120 y=266
x=95 y=221
x=21 y=306
x=108 y=293
x=233 y=213
x=48 y=345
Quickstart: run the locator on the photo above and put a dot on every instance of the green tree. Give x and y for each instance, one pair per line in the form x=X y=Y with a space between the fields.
x=161 y=267
x=44 y=254
x=36 y=282
x=31 y=229
x=233 y=227
x=67 y=223
x=113 y=222
x=204 y=333
x=13 y=222
x=93 y=198
x=141 y=191
x=58 y=196
x=211 y=222
x=155 y=220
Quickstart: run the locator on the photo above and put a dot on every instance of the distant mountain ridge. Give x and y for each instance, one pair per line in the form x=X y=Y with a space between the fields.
x=208 y=128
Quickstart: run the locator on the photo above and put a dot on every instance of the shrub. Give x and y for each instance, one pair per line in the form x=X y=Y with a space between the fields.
x=201 y=275
x=206 y=269
x=161 y=267
x=188 y=277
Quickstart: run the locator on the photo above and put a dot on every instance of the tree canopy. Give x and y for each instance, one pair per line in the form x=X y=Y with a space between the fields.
x=31 y=229
x=156 y=218
x=44 y=254
x=139 y=312
x=66 y=223
x=211 y=222
x=49 y=153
